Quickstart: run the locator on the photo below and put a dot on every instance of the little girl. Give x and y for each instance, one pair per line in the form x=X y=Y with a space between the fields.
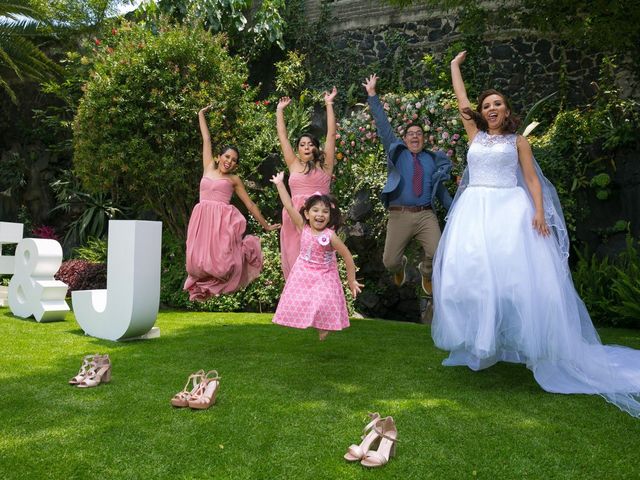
x=219 y=259
x=312 y=295
x=310 y=170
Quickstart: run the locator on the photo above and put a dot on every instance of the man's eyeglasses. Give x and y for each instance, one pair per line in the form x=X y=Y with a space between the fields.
x=414 y=133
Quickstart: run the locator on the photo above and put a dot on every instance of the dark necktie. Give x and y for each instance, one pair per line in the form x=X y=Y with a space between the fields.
x=417 y=176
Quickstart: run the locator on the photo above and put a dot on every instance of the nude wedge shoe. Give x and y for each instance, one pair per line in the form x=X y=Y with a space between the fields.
x=205 y=396
x=181 y=399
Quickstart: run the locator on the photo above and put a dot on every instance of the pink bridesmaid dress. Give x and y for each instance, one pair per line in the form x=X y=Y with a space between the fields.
x=302 y=186
x=313 y=295
x=219 y=259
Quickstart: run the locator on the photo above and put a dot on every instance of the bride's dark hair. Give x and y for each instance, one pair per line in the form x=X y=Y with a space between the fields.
x=510 y=124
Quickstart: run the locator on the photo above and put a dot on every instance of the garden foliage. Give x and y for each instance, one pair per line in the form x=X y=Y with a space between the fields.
x=610 y=287
x=82 y=275
x=136 y=131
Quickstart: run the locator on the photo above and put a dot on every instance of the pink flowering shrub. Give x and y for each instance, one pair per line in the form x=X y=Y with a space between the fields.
x=361 y=160
x=435 y=110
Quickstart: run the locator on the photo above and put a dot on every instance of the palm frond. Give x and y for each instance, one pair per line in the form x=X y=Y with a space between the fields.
x=15 y=9
x=7 y=89
x=24 y=26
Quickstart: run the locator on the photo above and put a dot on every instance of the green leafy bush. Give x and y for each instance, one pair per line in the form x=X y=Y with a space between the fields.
x=136 y=130
x=94 y=250
x=610 y=288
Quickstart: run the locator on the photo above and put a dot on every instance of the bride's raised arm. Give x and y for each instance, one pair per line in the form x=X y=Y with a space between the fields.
x=461 y=94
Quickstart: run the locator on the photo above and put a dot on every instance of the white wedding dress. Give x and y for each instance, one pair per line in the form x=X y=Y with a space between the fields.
x=502 y=292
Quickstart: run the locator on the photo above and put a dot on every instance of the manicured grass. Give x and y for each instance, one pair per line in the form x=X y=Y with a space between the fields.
x=289 y=406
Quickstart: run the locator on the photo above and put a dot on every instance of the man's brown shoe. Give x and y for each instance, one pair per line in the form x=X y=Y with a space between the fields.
x=401 y=275
x=427 y=287
x=426 y=283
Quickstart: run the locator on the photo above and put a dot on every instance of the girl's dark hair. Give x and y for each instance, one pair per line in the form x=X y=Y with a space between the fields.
x=318 y=155
x=224 y=149
x=510 y=124
x=335 y=218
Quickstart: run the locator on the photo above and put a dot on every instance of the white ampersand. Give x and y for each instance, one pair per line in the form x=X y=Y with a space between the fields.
x=32 y=289
x=10 y=233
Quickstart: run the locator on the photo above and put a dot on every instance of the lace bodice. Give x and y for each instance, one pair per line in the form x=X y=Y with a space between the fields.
x=493 y=160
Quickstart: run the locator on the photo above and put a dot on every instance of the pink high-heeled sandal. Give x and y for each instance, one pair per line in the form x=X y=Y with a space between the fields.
x=386 y=429
x=100 y=373
x=370 y=437
x=88 y=363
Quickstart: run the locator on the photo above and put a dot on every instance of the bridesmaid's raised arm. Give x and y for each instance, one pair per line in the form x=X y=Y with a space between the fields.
x=207 y=155
x=287 y=150
x=330 y=142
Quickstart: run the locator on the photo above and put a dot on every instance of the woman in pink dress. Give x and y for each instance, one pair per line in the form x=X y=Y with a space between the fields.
x=219 y=258
x=310 y=171
x=313 y=295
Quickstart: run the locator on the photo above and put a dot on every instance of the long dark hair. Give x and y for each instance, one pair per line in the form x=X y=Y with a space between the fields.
x=510 y=124
x=318 y=154
x=223 y=149
x=329 y=201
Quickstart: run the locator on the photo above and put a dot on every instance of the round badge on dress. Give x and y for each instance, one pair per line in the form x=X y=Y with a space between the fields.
x=324 y=239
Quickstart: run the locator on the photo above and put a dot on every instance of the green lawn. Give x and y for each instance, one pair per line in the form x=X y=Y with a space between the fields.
x=289 y=406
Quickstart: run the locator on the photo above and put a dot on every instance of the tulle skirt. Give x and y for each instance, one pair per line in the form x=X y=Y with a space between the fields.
x=502 y=292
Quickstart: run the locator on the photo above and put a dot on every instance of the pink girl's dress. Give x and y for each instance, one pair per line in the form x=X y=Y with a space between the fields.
x=313 y=295
x=302 y=186
x=219 y=259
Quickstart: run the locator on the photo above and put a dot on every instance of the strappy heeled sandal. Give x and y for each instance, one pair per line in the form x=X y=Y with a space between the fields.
x=100 y=373
x=205 y=395
x=181 y=399
x=388 y=433
x=88 y=362
x=370 y=438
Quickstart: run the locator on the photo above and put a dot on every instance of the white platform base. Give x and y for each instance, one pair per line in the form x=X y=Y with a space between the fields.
x=153 y=333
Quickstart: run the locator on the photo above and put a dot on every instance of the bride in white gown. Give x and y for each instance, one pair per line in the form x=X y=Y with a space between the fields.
x=502 y=287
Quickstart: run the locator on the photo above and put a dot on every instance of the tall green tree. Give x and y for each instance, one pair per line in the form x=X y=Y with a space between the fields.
x=21 y=25
x=251 y=26
x=80 y=14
